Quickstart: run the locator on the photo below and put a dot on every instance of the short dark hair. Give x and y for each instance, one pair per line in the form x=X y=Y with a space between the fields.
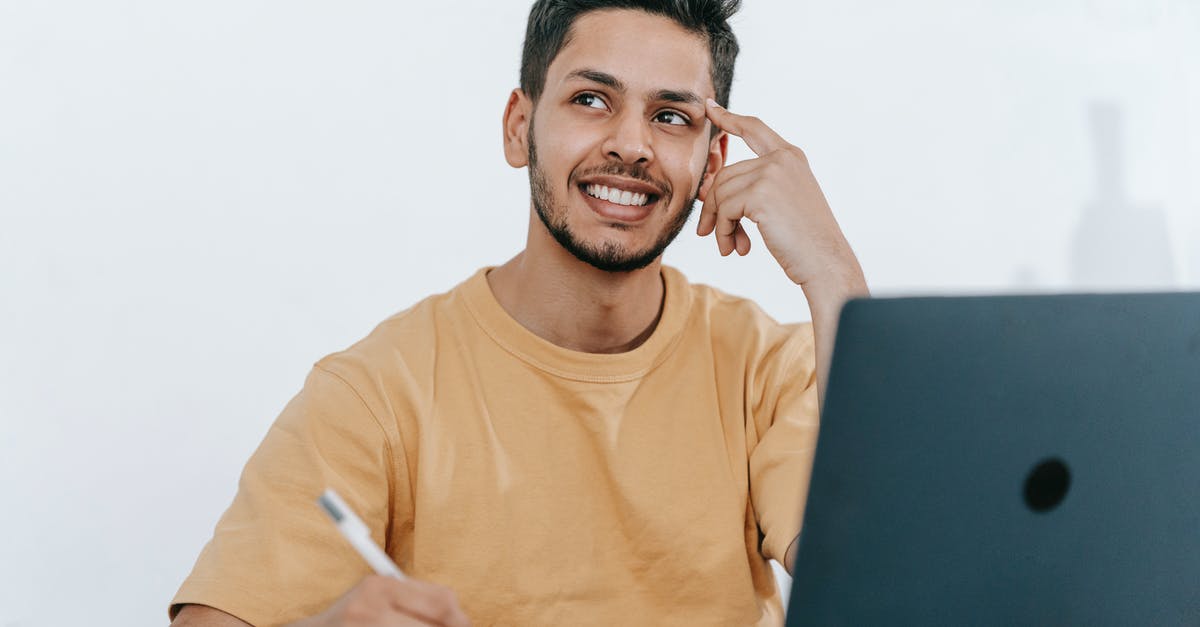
x=550 y=25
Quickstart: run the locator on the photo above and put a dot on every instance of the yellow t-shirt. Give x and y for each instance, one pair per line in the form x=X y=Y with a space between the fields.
x=545 y=486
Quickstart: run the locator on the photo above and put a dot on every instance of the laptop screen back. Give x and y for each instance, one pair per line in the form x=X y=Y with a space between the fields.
x=1007 y=460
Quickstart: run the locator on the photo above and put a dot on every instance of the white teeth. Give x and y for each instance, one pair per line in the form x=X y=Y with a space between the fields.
x=617 y=196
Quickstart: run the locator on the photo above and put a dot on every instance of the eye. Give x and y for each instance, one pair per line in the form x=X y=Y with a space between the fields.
x=590 y=100
x=674 y=118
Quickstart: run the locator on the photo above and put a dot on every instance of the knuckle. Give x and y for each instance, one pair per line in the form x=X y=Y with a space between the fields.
x=447 y=598
x=374 y=583
x=362 y=608
x=359 y=613
x=445 y=604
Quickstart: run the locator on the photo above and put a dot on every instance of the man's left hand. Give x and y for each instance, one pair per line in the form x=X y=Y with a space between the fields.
x=778 y=192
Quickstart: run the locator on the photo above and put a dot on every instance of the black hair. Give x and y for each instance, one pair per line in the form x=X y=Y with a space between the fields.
x=550 y=23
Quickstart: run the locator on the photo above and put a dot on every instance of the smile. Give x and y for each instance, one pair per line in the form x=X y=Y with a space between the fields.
x=617 y=196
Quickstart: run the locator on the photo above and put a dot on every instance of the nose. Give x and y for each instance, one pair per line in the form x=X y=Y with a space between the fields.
x=629 y=140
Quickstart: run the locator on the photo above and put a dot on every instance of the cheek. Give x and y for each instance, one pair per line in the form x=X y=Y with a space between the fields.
x=563 y=147
x=556 y=145
x=700 y=160
x=689 y=169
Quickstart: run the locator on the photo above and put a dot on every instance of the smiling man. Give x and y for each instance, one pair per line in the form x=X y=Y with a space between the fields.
x=578 y=436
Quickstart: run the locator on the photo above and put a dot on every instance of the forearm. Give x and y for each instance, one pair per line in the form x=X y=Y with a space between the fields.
x=789 y=560
x=825 y=301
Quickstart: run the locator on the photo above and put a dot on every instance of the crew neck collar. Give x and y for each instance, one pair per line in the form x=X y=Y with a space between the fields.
x=577 y=365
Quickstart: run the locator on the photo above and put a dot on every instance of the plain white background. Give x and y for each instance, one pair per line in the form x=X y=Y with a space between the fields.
x=198 y=200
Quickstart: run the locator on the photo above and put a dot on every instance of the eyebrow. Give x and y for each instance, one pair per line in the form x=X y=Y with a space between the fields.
x=671 y=95
x=614 y=83
x=596 y=76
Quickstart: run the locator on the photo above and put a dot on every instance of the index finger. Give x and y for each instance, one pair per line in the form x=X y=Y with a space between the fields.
x=428 y=602
x=757 y=135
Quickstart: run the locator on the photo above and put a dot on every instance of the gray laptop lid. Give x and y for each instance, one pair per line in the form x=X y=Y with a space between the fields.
x=1023 y=460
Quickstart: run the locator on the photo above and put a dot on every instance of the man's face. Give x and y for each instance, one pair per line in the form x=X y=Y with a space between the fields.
x=619 y=142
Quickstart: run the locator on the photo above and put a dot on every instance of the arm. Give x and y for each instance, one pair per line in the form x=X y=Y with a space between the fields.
x=825 y=305
x=376 y=600
x=825 y=301
x=778 y=191
x=790 y=560
x=275 y=557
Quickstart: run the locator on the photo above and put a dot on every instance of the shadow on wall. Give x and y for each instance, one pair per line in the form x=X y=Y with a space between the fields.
x=1118 y=245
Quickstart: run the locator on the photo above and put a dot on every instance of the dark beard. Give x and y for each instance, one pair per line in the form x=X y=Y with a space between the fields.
x=609 y=257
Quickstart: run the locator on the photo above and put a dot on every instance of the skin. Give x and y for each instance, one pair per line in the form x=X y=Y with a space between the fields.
x=583 y=125
x=577 y=306
x=376 y=601
x=546 y=288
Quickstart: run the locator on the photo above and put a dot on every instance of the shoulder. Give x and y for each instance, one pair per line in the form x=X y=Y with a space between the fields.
x=739 y=324
x=404 y=345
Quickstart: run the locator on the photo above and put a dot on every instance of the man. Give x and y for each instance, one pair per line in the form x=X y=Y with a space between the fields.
x=578 y=436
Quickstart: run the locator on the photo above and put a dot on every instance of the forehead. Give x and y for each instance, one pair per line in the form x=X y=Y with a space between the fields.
x=645 y=51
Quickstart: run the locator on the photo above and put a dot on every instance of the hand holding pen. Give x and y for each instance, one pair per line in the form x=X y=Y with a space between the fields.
x=387 y=597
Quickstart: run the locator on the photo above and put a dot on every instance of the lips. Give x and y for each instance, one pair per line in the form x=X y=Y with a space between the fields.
x=617 y=196
x=620 y=199
x=624 y=184
x=614 y=211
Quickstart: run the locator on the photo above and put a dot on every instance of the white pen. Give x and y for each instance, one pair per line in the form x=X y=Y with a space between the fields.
x=353 y=528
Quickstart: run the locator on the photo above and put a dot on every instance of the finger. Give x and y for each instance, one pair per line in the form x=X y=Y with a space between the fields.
x=706 y=221
x=429 y=602
x=732 y=198
x=741 y=167
x=726 y=242
x=729 y=224
x=757 y=135
x=726 y=189
x=741 y=240
x=720 y=189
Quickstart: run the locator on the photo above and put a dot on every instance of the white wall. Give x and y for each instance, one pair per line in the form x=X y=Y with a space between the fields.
x=198 y=200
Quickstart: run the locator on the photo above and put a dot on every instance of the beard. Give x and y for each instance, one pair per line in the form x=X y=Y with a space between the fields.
x=608 y=255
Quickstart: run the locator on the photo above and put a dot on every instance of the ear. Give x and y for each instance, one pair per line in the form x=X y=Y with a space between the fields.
x=517 y=116
x=718 y=149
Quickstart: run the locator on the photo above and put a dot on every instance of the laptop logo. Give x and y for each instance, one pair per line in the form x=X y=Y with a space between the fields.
x=1047 y=485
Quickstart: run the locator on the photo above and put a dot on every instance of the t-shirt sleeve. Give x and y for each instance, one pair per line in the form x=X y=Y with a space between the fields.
x=786 y=418
x=275 y=556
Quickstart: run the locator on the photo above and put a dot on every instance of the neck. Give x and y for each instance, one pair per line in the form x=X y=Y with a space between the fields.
x=574 y=305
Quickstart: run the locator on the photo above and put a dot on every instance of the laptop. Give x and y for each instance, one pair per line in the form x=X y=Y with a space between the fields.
x=1007 y=460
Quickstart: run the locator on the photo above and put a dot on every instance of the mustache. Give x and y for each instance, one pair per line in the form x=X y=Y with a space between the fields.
x=626 y=170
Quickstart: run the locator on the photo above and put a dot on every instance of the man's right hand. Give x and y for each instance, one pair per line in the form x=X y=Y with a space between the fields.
x=376 y=601
x=379 y=601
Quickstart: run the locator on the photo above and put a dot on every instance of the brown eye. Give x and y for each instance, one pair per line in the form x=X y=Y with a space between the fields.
x=590 y=100
x=674 y=118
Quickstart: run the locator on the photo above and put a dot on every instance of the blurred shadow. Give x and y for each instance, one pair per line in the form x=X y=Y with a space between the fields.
x=1024 y=279
x=1118 y=245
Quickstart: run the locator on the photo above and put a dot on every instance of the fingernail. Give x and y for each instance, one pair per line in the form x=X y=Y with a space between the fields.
x=713 y=103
